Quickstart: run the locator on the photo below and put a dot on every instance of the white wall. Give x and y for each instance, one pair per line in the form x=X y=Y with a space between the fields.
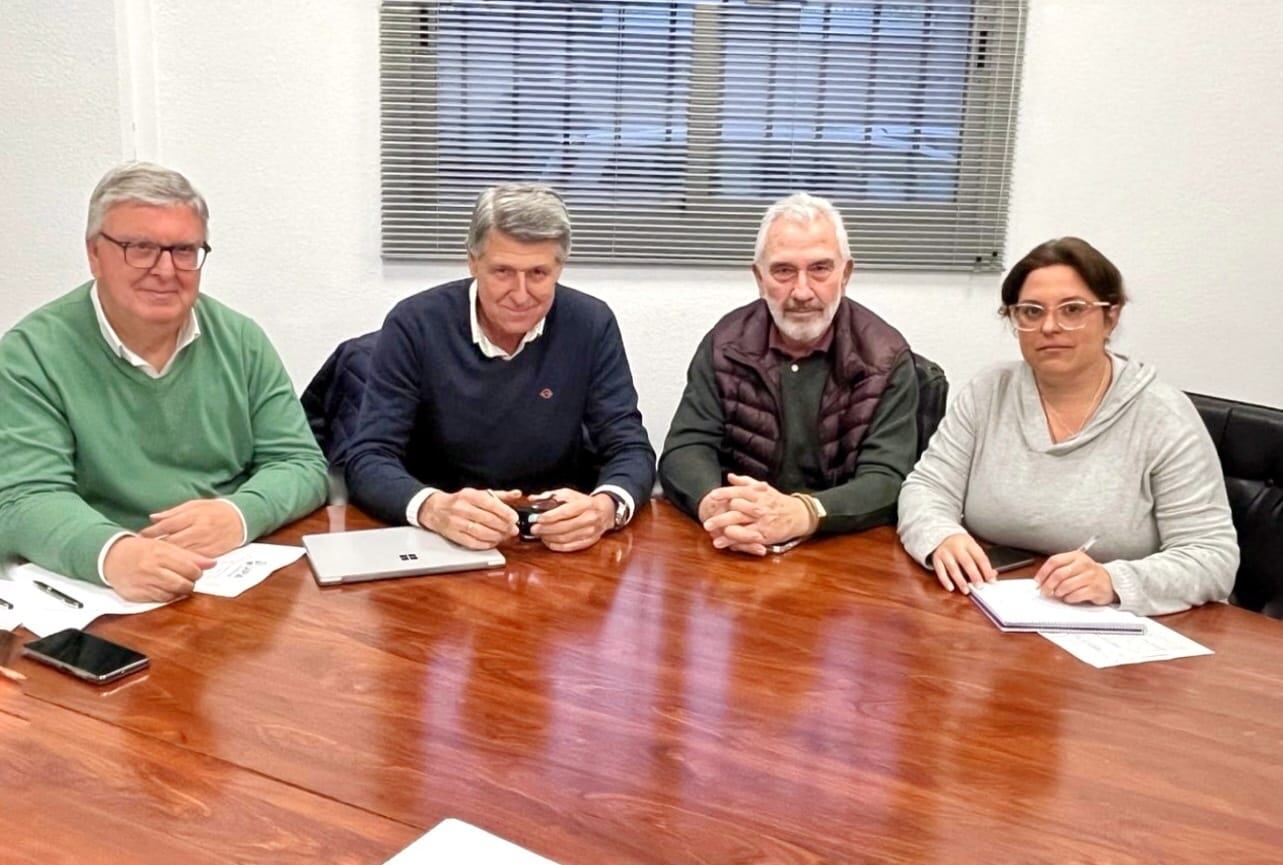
x=1150 y=128
x=59 y=131
x=1146 y=127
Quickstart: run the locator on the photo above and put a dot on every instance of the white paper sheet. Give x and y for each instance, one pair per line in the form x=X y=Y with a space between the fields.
x=1158 y=643
x=44 y=614
x=243 y=569
x=453 y=842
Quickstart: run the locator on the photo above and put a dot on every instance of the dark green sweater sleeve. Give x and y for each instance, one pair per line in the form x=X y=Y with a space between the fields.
x=887 y=455
x=689 y=467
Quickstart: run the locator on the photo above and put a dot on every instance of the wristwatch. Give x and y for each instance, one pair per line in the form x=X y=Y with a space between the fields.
x=621 y=510
x=815 y=508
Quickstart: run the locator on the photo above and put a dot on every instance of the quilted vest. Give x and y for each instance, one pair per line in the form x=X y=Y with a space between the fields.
x=864 y=352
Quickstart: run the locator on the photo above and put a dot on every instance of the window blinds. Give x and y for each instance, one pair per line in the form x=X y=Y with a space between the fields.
x=669 y=126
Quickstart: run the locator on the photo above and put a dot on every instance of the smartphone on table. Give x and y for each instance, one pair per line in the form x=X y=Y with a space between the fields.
x=86 y=656
x=1009 y=558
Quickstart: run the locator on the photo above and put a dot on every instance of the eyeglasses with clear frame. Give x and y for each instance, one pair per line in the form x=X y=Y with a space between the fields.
x=144 y=254
x=1070 y=314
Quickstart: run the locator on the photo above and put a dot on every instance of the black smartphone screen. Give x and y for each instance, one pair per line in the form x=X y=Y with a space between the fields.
x=1009 y=558
x=85 y=655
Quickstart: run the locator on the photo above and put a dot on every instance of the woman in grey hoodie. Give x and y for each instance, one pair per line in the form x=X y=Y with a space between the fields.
x=1075 y=444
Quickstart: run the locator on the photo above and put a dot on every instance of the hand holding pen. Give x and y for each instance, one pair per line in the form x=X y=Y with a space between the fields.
x=150 y=570
x=473 y=518
x=1076 y=578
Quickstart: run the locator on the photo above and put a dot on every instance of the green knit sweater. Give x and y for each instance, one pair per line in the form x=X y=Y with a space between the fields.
x=89 y=445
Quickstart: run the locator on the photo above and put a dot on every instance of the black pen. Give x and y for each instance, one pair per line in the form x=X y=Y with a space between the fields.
x=66 y=599
x=5 y=604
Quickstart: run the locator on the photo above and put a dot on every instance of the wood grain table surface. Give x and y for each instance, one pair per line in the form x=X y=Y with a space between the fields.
x=650 y=700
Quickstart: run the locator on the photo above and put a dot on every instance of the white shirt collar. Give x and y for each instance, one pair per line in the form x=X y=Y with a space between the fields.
x=191 y=330
x=488 y=348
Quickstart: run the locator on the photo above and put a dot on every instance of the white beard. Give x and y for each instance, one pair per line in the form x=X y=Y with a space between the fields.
x=802 y=330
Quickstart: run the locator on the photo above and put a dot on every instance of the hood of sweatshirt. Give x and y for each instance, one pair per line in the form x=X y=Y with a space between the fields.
x=1130 y=379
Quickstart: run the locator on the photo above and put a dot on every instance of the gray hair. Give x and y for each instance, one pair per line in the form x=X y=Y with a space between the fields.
x=142 y=183
x=802 y=208
x=528 y=212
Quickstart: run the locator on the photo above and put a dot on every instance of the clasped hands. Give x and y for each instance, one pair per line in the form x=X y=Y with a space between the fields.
x=483 y=519
x=1073 y=577
x=750 y=515
x=163 y=561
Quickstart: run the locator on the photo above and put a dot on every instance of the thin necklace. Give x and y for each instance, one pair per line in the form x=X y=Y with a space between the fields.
x=1054 y=418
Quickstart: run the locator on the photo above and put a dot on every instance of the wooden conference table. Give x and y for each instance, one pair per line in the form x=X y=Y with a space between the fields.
x=647 y=701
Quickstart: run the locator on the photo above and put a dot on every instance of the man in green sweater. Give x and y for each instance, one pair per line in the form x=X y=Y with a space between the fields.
x=800 y=410
x=144 y=428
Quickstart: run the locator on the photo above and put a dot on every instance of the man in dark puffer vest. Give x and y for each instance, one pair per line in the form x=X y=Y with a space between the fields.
x=799 y=415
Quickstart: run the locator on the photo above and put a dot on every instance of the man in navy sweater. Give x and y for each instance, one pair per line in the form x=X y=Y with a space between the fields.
x=483 y=389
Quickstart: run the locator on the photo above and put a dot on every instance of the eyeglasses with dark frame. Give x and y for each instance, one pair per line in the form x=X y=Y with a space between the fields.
x=1070 y=314
x=144 y=254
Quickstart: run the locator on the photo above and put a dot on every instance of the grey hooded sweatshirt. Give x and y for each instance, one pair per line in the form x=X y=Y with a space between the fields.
x=1142 y=476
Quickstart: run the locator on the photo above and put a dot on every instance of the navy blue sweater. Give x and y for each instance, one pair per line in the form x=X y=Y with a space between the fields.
x=436 y=412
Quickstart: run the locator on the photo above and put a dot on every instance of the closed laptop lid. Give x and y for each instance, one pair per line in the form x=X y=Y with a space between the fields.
x=377 y=554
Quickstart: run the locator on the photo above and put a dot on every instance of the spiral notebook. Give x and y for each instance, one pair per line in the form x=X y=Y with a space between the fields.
x=1016 y=605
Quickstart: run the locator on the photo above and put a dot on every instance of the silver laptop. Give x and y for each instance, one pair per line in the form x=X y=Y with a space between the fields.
x=380 y=554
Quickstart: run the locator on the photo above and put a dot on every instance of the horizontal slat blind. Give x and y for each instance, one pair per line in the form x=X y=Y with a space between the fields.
x=669 y=126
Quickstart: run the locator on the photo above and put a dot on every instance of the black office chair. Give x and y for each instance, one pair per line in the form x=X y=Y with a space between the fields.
x=332 y=400
x=1249 y=440
x=933 y=394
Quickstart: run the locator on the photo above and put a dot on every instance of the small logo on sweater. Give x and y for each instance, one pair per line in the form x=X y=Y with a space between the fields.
x=546 y=393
